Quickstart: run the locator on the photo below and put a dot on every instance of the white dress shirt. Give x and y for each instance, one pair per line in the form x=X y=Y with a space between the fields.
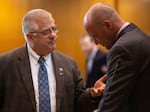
x=33 y=58
x=91 y=59
x=122 y=27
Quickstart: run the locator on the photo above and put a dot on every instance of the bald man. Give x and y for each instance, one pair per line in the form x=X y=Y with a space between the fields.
x=36 y=78
x=128 y=61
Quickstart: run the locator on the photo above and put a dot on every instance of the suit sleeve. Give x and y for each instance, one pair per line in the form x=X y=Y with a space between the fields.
x=120 y=82
x=0 y=86
x=83 y=99
x=1 y=83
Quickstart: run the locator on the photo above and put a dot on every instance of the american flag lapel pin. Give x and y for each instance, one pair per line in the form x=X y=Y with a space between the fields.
x=60 y=71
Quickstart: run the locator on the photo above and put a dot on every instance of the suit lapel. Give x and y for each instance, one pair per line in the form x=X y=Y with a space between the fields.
x=24 y=67
x=59 y=75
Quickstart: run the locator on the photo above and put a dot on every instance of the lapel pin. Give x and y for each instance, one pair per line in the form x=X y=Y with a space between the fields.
x=60 y=73
x=61 y=70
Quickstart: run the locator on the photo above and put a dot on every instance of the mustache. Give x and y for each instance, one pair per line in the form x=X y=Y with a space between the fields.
x=52 y=40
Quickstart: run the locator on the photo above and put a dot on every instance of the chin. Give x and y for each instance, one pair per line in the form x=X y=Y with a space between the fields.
x=108 y=47
x=52 y=48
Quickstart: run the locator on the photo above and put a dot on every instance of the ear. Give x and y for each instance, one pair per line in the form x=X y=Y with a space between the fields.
x=108 y=24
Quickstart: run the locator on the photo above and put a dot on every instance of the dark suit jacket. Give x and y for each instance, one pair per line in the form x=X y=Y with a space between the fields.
x=128 y=84
x=16 y=86
x=96 y=73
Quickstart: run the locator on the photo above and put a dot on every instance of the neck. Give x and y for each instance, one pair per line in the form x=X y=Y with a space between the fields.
x=118 y=26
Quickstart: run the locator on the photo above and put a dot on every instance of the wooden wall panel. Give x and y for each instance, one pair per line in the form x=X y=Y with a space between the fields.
x=68 y=15
x=136 y=11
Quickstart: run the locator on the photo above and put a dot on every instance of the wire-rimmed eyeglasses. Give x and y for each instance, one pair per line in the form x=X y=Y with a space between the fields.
x=46 y=31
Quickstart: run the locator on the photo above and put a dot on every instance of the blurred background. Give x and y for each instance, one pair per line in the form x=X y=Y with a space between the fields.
x=68 y=16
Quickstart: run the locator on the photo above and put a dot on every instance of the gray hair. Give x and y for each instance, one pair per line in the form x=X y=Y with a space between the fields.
x=28 y=22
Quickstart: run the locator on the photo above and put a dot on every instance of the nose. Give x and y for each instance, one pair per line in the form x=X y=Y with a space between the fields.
x=53 y=35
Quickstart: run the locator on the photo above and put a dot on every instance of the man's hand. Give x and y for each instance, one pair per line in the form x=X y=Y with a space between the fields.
x=99 y=87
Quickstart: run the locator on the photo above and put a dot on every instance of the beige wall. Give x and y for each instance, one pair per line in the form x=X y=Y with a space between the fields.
x=136 y=11
x=69 y=18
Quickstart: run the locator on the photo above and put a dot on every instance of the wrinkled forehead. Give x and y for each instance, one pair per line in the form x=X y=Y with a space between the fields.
x=42 y=16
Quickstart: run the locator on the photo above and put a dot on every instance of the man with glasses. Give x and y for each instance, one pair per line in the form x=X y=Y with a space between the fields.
x=36 y=78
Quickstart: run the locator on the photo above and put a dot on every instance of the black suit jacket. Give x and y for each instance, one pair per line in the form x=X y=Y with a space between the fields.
x=128 y=84
x=16 y=86
x=96 y=72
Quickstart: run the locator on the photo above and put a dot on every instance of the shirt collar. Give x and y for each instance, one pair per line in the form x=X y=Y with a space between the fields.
x=35 y=57
x=93 y=53
x=122 y=27
x=48 y=59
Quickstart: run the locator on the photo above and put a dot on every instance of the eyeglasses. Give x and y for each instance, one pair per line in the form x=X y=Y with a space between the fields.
x=47 y=31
